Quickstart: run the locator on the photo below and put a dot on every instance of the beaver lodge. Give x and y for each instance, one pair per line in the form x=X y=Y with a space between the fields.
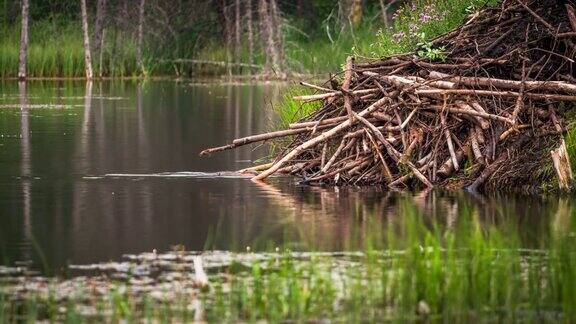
x=490 y=115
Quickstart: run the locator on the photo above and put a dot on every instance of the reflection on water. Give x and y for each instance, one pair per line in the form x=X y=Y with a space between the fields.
x=118 y=171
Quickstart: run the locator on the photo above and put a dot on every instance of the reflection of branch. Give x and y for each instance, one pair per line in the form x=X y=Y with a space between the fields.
x=283 y=200
x=562 y=218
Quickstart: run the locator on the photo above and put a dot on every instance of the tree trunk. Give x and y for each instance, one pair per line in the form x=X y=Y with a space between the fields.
x=140 y=36
x=278 y=34
x=268 y=38
x=100 y=53
x=237 y=32
x=87 y=52
x=250 y=31
x=99 y=27
x=356 y=12
x=23 y=41
x=384 y=11
x=227 y=34
x=350 y=12
x=299 y=8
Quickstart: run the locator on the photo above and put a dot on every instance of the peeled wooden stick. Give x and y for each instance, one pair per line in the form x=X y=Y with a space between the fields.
x=267 y=136
x=323 y=159
x=479 y=120
x=383 y=116
x=476 y=148
x=334 y=94
x=327 y=121
x=566 y=35
x=406 y=154
x=484 y=124
x=448 y=167
x=321 y=124
x=561 y=163
x=346 y=167
x=256 y=168
x=334 y=156
x=391 y=150
x=470 y=112
x=313 y=86
x=319 y=139
x=217 y=149
x=386 y=169
x=407 y=176
x=507 y=84
x=520 y=100
x=258 y=138
x=346 y=86
x=434 y=83
x=449 y=143
x=538 y=96
x=571 y=16
x=393 y=153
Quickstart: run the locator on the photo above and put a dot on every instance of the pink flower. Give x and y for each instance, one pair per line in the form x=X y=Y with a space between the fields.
x=424 y=17
x=399 y=36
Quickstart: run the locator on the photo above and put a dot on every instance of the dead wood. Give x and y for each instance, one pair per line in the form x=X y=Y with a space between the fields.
x=408 y=121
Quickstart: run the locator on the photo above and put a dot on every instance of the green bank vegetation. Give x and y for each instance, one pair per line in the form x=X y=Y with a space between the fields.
x=313 y=37
x=458 y=267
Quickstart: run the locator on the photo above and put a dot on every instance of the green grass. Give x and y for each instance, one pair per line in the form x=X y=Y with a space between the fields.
x=56 y=50
x=413 y=268
x=56 y=46
x=289 y=110
x=467 y=273
x=327 y=51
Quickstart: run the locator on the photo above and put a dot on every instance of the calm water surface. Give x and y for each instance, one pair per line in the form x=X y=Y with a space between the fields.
x=61 y=142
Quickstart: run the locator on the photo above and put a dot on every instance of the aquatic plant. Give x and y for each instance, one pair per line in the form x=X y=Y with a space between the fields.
x=456 y=267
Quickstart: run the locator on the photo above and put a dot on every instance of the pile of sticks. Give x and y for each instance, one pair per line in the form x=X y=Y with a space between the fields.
x=406 y=120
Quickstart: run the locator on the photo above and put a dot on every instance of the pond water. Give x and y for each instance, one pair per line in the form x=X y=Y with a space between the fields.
x=89 y=173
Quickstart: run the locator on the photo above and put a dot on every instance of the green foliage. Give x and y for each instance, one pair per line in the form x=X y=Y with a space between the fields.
x=411 y=268
x=428 y=51
x=56 y=50
x=289 y=110
x=315 y=43
x=418 y=22
x=569 y=111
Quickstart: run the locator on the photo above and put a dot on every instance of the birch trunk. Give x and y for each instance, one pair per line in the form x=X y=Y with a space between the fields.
x=227 y=33
x=23 y=41
x=87 y=52
x=237 y=32
x=278 y=35
x=100 y=54
x=99 y=27
x=267 y=38
x=140 y=35
x=250 y=31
